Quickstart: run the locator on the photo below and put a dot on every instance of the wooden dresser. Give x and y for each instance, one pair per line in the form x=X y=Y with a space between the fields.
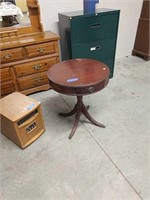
x=27 y=52
x=25 y=61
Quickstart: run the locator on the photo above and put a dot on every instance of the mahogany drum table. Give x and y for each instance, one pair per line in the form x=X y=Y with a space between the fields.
x=79 y=77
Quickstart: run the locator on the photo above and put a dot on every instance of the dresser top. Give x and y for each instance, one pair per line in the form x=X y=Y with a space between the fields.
x=46 y=36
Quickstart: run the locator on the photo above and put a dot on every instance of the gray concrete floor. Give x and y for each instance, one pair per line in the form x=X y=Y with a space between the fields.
x=97 y=164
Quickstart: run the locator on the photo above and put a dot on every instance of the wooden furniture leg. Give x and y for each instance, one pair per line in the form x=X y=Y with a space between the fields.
x=88 y=116
x=69 y=113
x=80 y=108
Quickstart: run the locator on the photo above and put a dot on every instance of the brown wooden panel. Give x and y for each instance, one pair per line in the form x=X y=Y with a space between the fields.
x=40 y=49
x=27 y=136
x=7 y=88
x=25 y=122
x=5 y=74
x=34 y=67
x=142 y=40
x=32 y=81
x=11 y=55
x=36 y=89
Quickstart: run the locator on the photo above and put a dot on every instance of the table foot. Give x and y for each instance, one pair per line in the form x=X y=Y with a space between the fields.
x=88 y=116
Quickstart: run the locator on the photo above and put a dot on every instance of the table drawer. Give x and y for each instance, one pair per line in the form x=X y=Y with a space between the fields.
x=86 y=90
x=95 y=50
x=91 y=89
x=40 y=49
x=94 y=28
x=7 y=88
x=34 y=67
x=11 y=55
x=5 y=74
x=32 y=81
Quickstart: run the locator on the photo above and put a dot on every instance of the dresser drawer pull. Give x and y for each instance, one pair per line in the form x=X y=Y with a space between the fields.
x=91 y=89
x=37 y=67
x=38 y=80
x=95 y=48
x=7 y=56
x=40 y=50
x=96 y=25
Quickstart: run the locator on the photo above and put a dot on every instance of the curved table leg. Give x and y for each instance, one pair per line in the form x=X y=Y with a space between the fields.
x=79 y=109
x=87 y=107
x=78 y=114
x=69 y=113
x=88 y=116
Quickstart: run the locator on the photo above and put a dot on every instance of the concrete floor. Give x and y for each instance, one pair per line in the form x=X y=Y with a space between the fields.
x=97 y=164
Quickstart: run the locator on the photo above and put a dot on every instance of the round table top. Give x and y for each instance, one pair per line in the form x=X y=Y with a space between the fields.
x=78 y=72
x=78 y=76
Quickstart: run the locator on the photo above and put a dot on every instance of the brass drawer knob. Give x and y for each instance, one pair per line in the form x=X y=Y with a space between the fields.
x=40 y=50
x=7 y=56
x=37 y=67
x=91 y=89
x=38 y=80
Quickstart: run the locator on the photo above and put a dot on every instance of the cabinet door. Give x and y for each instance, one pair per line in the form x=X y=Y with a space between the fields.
x=103 y=51
x=95 y=50
x=93 y=28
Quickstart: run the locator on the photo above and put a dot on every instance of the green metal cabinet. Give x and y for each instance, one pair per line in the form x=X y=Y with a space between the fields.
x=91 y=36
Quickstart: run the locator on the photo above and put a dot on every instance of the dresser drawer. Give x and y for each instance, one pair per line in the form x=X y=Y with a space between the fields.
x=32 y=81
x=11 y=55
x=95 y=50
x=93 y=28
x=40 y=49
x=5 y=74
x=7 y=88
x=34 y=67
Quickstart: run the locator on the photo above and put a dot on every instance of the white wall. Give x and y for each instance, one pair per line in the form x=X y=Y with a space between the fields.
x=129 y=16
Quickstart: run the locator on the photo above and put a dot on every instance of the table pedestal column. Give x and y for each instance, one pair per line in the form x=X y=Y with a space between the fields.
x=79 y=109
